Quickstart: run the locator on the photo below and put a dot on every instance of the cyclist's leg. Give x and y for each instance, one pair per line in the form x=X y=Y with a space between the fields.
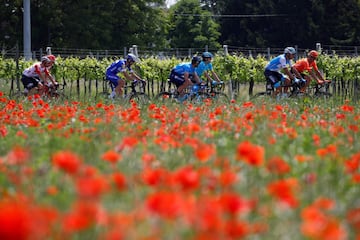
x=274 y=78
x=307 y=83
x=116 y=84
x=31 y=85
x=178 y=81
x=286 y=82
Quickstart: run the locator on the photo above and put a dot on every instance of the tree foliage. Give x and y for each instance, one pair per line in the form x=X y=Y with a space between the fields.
x=192 y=26
x=114 y=24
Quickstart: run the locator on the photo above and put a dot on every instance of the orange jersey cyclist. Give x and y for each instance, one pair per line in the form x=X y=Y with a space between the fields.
x=308 y=69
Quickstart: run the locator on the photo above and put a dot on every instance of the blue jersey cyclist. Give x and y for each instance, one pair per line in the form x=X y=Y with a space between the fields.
x=183 y=73
x=122 y=66
x=277 y=71
x=206 y=66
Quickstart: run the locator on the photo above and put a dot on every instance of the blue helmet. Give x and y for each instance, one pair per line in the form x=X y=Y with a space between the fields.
x=195 y=59
x=207 y=55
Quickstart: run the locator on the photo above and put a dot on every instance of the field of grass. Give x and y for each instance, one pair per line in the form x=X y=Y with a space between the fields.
x=247 y=170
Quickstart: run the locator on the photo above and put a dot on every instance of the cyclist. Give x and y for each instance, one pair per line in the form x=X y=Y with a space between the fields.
x=183 y=74
x=308 y=69
x=34 y=77
x=277 y=71
x=206 y=66
x=122 y=66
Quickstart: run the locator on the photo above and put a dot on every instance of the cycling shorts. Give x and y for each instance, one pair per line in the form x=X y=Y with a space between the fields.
x=177 y=79
x=273 y=77
x=30 y=82
x=113 y=78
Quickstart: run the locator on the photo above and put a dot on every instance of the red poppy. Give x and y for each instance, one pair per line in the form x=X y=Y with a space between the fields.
x=67 y=161
x=165 y=204
x=119 y=180
x=91 y=186
x=187 y=178
x=15 y=221
x=251 y=154
x=111 y=156
x=278 y=165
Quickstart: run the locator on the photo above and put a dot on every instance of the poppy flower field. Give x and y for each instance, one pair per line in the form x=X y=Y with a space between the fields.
x=244 y=170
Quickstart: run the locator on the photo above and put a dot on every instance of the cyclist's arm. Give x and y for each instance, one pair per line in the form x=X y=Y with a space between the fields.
x=42 y=75
x=52 y=79
x=127 y=75
x=137 y=77
x=196 y=78
x=319 y=75
x=296 y=72
x=215 y=76
x=288 y=73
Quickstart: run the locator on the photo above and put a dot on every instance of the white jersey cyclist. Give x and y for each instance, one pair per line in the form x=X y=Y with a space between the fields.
x=278 y=63
x=37 y=74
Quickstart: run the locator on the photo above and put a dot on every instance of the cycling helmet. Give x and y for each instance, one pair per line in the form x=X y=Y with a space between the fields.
x=132 y=57
x=207 y=55
x=48 y=59
x=290 y=50
x=313 y=54
x=195 y=59
x=52 y=58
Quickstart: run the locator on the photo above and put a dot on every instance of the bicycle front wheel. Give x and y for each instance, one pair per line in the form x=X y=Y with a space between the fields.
x=141 y=99
x=322 y=95
x=220 y=97
x=260 y=96
x=200 y=97
x=164 y=97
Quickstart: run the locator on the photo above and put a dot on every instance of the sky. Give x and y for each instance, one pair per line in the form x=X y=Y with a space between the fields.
x=170 y=2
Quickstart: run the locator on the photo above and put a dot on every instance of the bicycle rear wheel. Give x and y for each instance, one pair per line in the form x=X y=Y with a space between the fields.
x=18 y=96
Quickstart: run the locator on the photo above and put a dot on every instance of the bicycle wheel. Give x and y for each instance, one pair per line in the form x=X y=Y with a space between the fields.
x=164 y=97
x=141 y=99
x=260 y=96
x=322 y=95
x=199 y=97
x=220 y=97
x=55 y=97
x=18 y=96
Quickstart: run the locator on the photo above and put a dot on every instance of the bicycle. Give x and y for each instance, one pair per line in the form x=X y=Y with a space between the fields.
x=216 y=92
x=194 y=93
x=294 y=92
x=49 y=93
x=322 y=90
x=137 y=93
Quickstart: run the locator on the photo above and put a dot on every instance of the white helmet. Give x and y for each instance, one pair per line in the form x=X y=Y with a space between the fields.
x=290 y=50
x=132 y=57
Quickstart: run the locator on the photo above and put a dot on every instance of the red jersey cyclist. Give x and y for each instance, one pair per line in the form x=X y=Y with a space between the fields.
x=34 y=77
x=308 y=69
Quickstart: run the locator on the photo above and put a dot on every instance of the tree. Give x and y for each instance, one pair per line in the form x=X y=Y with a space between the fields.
x=11 y=24
x=192 y=26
